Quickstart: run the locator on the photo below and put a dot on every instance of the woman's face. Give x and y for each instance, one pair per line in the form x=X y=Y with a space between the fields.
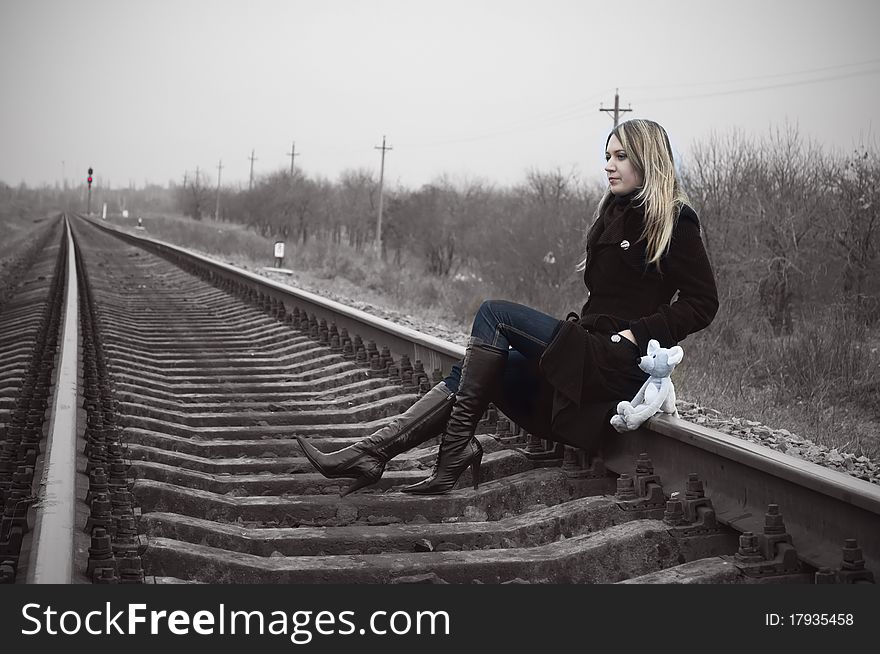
x=622 y=175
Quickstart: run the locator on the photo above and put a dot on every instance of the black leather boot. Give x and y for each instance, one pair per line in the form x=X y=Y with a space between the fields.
x=459 y=449
x=365 y=460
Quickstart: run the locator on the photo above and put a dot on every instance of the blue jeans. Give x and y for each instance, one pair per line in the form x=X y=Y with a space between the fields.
x=524 y=331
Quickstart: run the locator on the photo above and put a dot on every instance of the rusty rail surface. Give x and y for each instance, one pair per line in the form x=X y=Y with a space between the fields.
x=206 y=412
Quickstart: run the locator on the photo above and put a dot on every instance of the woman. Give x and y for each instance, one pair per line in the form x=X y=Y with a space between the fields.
x=561 y=379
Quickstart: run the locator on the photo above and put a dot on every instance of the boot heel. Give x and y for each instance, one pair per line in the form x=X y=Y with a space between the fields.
x=359 y=483
x=475 y=469
x=481 y=373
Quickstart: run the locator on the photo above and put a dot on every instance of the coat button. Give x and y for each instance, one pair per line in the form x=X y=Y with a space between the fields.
x=615 y=338
x=624 y=244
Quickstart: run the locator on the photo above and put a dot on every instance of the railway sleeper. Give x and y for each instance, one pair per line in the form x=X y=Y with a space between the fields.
x=420 y=459
x=267 y=448
x=241 y=369
x=172 y=343
x=144 y=319
x=312 y=370
x=227 y=466
x=205 y=353
x=492 y=501
x=617 y=552
x=206 y=360
x=539 y=526
x=364 y=411
x=337 y=375
x=211 y=449
x=495 y=466
x=280 y=394
x=714 y=570
x=285 y=385
x=259 y=430
x=359 y=393
x=200 y=356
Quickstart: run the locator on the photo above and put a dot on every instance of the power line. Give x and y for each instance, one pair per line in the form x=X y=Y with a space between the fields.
x=572 y=112
x=754 y=78
x=578 y=113
x=762 y=88
x=581 y=109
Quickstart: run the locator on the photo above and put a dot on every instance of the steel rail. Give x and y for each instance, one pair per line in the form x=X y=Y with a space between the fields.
x=821 y=507
x=52 y=559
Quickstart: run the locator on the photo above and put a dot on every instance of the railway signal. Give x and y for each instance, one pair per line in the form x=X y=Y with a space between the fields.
x=89 y=210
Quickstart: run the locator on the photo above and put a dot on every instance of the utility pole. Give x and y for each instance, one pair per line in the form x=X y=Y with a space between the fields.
x=381 y=181
x=617 y=110
x=217 y=206
x=197 y=197
x=292 y=154
x=251 y=181
x=184 y=179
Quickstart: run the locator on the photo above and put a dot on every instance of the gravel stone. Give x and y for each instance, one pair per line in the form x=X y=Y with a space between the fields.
x=784 y=441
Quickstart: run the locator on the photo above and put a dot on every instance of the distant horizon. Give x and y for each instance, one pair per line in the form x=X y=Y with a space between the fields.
x=482 y=90
x=597 y=177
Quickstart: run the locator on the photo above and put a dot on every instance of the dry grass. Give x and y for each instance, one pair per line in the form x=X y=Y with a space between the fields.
x=208 y=236
x=819 y=382
x=18 y=229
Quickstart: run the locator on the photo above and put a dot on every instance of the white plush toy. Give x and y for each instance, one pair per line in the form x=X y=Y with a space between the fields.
x=656 y=394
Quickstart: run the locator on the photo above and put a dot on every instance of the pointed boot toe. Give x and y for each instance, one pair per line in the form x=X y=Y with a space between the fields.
x=315 y=456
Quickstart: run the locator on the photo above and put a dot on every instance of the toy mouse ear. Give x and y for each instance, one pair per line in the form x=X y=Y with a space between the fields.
x=653 y=346
x=676 y=354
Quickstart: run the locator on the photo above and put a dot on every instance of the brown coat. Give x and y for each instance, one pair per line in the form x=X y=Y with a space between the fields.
x=585 y=372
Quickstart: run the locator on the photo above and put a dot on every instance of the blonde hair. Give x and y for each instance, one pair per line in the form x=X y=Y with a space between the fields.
x=647 y=146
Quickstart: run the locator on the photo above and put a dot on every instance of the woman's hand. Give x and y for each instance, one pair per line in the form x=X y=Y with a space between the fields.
x=628 y=335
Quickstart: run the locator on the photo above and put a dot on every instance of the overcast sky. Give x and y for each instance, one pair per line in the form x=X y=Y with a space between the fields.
x=144 y=91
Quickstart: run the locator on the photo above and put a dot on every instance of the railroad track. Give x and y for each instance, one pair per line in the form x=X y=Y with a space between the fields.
x=173 y=458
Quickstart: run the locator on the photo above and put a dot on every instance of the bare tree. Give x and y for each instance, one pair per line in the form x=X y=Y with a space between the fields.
x=855 y=188
x=357 y=198
x=194 y=197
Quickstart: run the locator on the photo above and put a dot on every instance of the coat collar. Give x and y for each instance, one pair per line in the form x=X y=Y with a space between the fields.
x=609 y=226
x=623 y=200
x=613 y=219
